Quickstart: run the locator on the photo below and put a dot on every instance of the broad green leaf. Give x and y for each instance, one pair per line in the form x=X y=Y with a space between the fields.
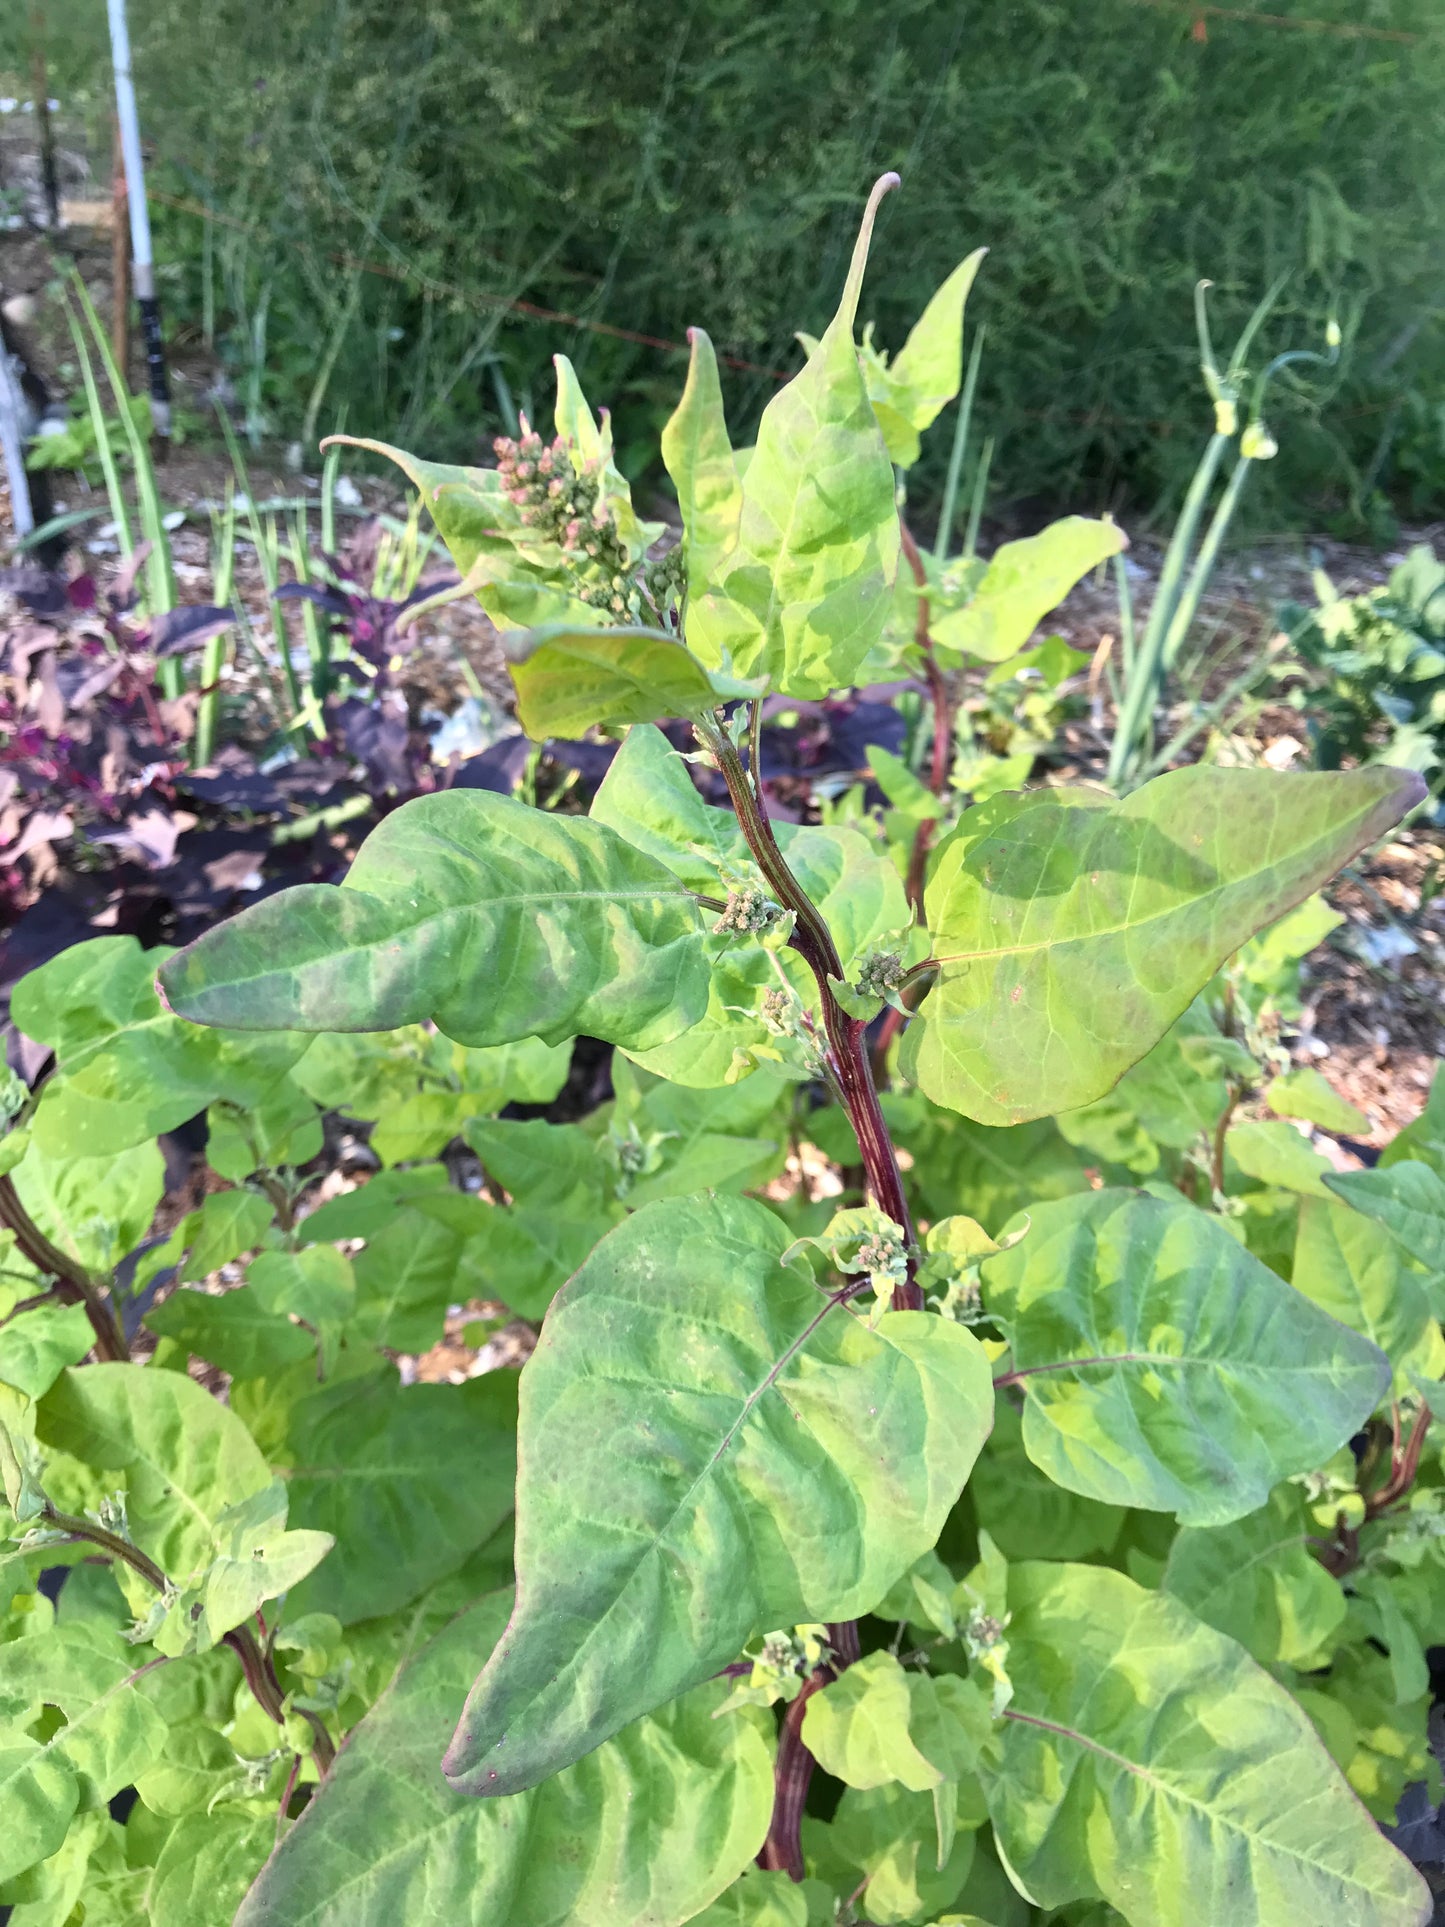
x=408 y=1480
x=1352 y=1267
x=643 y=1833
x=988 y=1172
x=1258 y=1581
x=700 y=1146
x=891 y=1836
x=494 y=920
x=649 y=798
x=405 y=1279
x=740 y=1453
x=231 y=1331
x=197 y=1763
x=258 y=1559
x=519 y=580
x=1307 y=1093
x=759 y=1899
x=316 y=1284
x=910 y=392
x=901 y=786
x=1274 y=1154
x=1023 y=581
x=1270 y=961
x=1408 y=1198
x=699 y=458
x=1026 y=1513
x=562 y=1204
x=572 y=678
x=1073 y=931
x=185 y=1457
x=96 y=1209
x=46 y=1895
x=36 y=1346
x=879 y=1723
x=804 y=594
x=128 y=1068
x=1423 y=1141
x=207 y=1863
x=109 y=1734
x=40 y=1796
x=1163 y=1366
x=221 y=1227
x=1147 y=1761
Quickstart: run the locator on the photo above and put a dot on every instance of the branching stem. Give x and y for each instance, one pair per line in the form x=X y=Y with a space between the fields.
x=255 y=1663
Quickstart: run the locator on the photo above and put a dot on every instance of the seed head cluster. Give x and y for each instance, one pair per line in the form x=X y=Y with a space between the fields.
x=569 y=507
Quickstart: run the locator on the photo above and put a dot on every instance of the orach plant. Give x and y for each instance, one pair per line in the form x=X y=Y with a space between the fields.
x=1021 y=1486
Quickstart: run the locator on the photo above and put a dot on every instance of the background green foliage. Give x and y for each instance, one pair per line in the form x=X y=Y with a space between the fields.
x=651 y=165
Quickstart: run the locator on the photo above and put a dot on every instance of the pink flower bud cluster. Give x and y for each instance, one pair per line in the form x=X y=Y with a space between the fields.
x=569 y=509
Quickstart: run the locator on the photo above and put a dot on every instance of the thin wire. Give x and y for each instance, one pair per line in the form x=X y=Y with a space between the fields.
x=1341 y=29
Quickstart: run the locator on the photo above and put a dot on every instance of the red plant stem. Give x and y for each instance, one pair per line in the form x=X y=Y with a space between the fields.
x=73 y=1283
x=782 y=1851
x=255 y=1664
x=847 y=1036
x=848 y=1051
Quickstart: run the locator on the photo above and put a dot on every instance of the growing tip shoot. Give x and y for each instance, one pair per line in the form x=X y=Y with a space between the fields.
x=853 y=287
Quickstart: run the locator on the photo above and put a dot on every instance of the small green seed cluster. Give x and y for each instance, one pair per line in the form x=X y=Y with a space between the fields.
x=880 y=972
x=571 y=510
x=747 y=911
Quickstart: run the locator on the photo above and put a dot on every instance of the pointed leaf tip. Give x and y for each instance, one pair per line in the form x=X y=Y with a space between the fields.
x=853 y=287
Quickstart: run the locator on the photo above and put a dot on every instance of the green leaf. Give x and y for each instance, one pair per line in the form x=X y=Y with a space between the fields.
x=206 y=1865
x=758 y=1899
x=1354 y=1270
x=879 y=1723
x=231 y=1331
x=40 y=1797
x=494 y=920
x=1073 y=931
x=109 y=1734
x=644 y=1833
x=129 y=1069
x=405 y=1279
x=95 y=1209
x=519 y=580
x=223 y=1226
x=699 y=458
x=1424 y=1140
x=258 y=1560
x=1163 y=1366
x=891 y=1836
x=1147 y=1761
x=649 y=798
x=909 y=393
x=1258 y=1581
x=1273 y=1153
x=1408 y=1198
x=316 y=1284
x=1027 y=1515
x=1023 y=581
x=36 y=1346
x=901 y=786
x=185 y=1456
x=407 y=1480
x=1270 y=962
x=708 y=1449
x=572 y=678
x=1307 y=1093
x=804 y=594
x=561 y=1207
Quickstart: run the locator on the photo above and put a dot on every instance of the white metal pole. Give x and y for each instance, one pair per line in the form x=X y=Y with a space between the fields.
x=143 y=264
x=12 y=443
